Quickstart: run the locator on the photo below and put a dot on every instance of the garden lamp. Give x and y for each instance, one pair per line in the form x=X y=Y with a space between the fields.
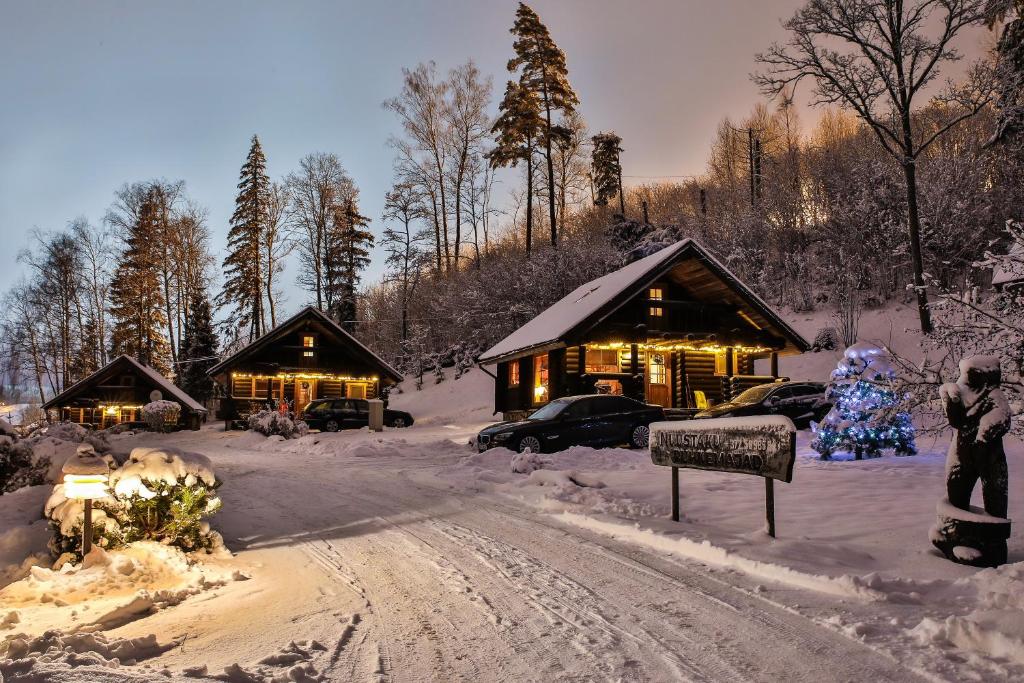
x=85 y=479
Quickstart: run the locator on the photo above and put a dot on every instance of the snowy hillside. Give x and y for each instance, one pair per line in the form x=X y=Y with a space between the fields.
x=894 y=327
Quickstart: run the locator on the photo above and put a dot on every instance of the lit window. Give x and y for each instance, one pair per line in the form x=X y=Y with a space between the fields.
x=602 y=360
x=657 y=369
x=308 y=343
x=513 y=373
x=540 y=378
x=656 y=294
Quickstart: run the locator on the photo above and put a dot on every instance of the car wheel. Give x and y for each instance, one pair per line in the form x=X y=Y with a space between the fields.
x=331 y=426
x=530 y=443
x=640 y=437
x=398 y=422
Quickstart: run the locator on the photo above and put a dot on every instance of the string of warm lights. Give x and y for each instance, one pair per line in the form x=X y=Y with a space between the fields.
x=679 y=346
x=304 y=375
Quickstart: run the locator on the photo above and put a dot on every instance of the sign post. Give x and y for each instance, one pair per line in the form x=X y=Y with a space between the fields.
x=761 y=446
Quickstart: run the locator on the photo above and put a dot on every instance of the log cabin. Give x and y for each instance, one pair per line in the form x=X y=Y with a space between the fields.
x=675 y=328
x=115 y=394
x=306 y=357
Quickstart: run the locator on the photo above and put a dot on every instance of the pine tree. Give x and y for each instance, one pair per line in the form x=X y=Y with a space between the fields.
x=136 y=297
x=349 y=254
x=544 y=74
x=516 y=132
x=1009 y=69
x=606 y=169
x=198 y=349
x=868 y=411
x=243 y=274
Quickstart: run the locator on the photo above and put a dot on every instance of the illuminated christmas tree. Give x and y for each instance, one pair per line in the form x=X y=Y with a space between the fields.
x=868 y=411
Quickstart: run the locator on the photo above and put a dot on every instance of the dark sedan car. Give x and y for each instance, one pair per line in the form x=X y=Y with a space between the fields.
x=332 y=414
x=594 y=420
x=799 y=401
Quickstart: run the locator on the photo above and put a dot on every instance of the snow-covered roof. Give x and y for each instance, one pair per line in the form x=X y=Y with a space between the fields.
x=167 y=388
x=286 y=327
x=549 y=328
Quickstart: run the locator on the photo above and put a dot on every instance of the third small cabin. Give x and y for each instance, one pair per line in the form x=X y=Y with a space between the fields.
x=675 y=328
x=306 y=357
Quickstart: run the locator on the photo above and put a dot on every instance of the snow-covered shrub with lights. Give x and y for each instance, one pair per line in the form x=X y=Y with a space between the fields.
x=161 y=416
x=273 y=423
x=158 y=494
x=869 y=412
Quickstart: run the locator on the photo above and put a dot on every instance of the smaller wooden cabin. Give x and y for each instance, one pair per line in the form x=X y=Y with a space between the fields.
x=115 y=394
x=306 y=357
x=675 y=328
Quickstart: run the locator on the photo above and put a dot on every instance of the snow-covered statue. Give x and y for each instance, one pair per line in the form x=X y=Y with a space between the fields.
x=976 y=408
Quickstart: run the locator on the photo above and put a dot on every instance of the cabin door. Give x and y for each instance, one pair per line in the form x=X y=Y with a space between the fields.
x=305 y=390
x=658 y=384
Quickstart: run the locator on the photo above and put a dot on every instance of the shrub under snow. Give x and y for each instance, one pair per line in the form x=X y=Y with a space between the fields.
x=271 y=422
x=19 y=466
x=161 y=416
x=159 y=494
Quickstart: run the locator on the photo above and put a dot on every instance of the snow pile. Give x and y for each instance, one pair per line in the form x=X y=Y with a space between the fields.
x=108 y=589
x=23 y=533
x=525 y=463
x=60 y=441
x=75 y=656
x=161 y=415
x=992 y=624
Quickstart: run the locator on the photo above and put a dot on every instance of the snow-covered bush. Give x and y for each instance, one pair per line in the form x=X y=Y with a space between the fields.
x=19 y=466
x=159 y=494
x=827 y=339
x=161 y=416
x=271 y=422
x=869 y=411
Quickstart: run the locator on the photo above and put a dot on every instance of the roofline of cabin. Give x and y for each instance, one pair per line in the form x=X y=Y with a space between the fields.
x=267 y=338
x=652 y=275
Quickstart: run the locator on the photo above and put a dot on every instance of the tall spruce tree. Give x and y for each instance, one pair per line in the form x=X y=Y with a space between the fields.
x=136 y=295
x=542 y=71
x=350 y=254
x=198 y=349
x=517 y=131
x=607 y=169
x=243 y=274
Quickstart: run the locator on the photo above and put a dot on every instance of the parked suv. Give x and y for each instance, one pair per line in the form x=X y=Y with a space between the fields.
x=592 y=420
x=332 y=414
x=799 y=401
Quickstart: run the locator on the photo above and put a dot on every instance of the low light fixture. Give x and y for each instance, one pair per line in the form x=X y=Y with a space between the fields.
x=85 y=478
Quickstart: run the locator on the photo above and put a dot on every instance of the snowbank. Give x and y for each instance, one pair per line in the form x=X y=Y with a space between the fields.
x=23 y=532
x=108 y=589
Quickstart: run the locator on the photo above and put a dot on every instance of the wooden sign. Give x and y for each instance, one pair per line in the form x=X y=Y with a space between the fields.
x=761 y=446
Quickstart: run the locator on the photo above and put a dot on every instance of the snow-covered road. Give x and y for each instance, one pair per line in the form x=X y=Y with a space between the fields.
x=396 y=577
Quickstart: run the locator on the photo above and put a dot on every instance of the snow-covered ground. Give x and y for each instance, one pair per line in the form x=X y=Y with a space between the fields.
x=407 y=555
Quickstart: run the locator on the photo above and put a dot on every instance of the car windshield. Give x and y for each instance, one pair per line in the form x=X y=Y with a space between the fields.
x=549 y=411
x=754 y=394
